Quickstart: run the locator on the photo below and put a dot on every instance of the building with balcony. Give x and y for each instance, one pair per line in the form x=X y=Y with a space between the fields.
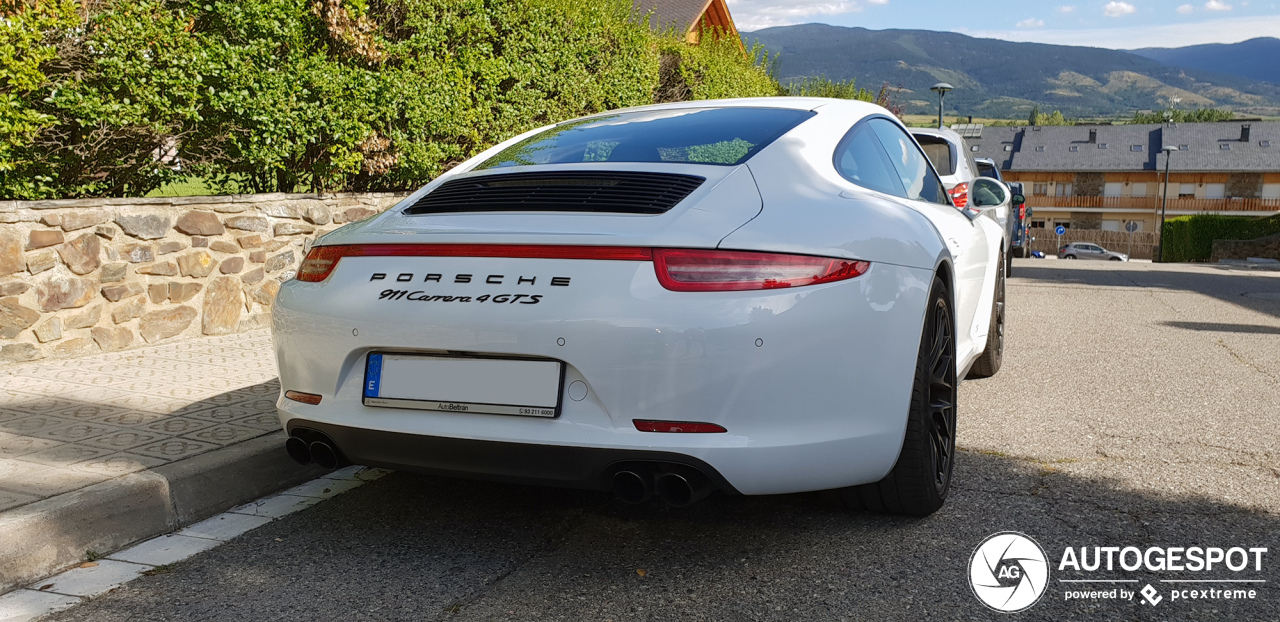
x=689 y=18
x=1104 y=176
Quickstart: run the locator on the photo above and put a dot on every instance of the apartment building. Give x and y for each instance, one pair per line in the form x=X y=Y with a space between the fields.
x=1104 y=176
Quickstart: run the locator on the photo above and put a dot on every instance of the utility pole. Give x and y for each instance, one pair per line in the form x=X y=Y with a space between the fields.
x=1164 y=201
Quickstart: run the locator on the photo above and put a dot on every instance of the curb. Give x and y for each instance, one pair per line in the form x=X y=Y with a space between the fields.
x=42 y=538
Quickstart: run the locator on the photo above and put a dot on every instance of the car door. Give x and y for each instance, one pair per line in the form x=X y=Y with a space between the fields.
x=964 y=235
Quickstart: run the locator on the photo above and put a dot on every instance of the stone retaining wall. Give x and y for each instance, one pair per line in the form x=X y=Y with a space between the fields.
x=1266 y=248
x=90 y=275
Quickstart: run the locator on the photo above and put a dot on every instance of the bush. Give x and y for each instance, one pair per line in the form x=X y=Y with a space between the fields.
x=1190 y=238
x=319 y=95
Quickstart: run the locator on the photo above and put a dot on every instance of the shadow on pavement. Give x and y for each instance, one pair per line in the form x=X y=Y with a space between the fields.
x=1225 y=328
x=1257 y=291
x=421 y=548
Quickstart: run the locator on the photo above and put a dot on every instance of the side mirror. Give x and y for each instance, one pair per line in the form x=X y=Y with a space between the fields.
x=1030 y=212
x=1019 y=200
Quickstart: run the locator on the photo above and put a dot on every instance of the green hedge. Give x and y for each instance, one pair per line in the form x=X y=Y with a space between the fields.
x=1190 y=238
x=318 y=95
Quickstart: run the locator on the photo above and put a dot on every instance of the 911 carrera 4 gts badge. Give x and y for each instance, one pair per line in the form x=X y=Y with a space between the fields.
x=467 y=279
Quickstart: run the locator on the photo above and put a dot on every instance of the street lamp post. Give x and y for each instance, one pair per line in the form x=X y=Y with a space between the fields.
x=941 y=88
x=1164 y=201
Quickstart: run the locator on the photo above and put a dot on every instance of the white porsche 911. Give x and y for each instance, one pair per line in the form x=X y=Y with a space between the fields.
x=752 y=296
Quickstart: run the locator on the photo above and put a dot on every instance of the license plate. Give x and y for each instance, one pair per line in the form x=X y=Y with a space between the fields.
x=486 y=386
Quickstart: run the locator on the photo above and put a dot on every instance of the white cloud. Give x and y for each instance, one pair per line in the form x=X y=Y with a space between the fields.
x=1030 y=22
x=1118 y=9
x=1217 y=5
x=1186 y=8
x=1066 y=10
x=1223 y=30
x=751 y=15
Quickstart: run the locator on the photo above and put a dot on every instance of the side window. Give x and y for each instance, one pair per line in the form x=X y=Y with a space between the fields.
x=860 y=159
x=910 y=163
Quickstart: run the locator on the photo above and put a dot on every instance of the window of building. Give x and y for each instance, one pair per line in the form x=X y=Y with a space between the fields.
x=1138 y=190
x=1037 y=224
x=975 y=148
x=1008 y=147
x=1271 y=191
x=1075 y=148
x=1113 y=189
x=1065 y=224
x=1040 y=189
x=1111 y=225
x=1063 y=190
x=1186 y=191
x=1102 y=145
x=1215 y=191
x=1135 y=148
x=1040 y=149
x=1225 y=146
x=1264 y=144
x=1184 y=148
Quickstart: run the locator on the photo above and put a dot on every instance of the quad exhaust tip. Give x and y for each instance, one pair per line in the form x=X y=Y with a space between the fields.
x=632 y=487
x=320 y=451
x=675 y=489
x=298 y=450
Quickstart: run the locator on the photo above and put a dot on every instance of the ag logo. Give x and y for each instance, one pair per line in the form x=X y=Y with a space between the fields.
x=1008 y=572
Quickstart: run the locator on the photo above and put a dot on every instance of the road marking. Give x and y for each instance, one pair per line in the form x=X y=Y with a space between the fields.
x=71 y=587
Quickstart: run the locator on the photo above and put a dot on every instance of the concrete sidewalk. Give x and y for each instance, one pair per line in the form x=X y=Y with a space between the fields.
x=104 y=450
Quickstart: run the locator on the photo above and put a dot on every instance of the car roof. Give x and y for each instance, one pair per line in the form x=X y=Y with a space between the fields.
x=821 y=105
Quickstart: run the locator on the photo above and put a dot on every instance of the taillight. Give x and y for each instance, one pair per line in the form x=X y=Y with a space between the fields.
x=678 y=427
x=685 y=270
x=321 y=261
x=960 y=194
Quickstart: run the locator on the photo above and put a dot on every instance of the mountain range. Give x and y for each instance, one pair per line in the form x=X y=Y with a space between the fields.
x=1258 y=59
x=1003 y=79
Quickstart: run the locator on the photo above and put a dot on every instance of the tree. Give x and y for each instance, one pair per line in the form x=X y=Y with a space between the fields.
x=1200 y=115
x=1034 y=119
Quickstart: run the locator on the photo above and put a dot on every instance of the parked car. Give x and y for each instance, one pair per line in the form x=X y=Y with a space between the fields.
x=1087 y=250
x=1020 y=223
x=988 y=168
x=755 y=296
x=950 y=156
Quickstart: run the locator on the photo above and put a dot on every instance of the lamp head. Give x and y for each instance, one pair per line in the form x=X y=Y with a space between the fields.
x=1168 y=149
x=941 y=88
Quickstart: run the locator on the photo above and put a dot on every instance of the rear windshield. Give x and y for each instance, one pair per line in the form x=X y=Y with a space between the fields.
x=723 y=136
x=939 y=152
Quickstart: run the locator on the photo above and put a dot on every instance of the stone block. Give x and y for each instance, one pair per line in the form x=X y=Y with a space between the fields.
x=164 y=248
x=280 y=262
x=106 y=232
x=112 y=339
x=198 y=264
x=41 y=261
x=357 y=213
x=113 y=272
x=274 y=245
x=145 y=226
x=83 y=254
x=286 y=209
x=15 y=318
x=182 y=292
x=222 y=306
x=49 y=330
x=293 y=228
x=232 y=265
x=116 y=293
x=199 y=242
x=83 y=219
x=266 y=294
x=223 y=246
x=19 y=352
x=253 y=277
x=196 y=222
x=258 y=256
x=51 y=220
x=11 y=259
x=41 y=239
x=252 y=240
x=79 y=346
x=137 y=253
x=62 y=292
x=158 y=292
x=85 y=319
x=249 y=223
x=165 y=323
x=13 y=288
x=317 y=215
x=167 y=268
x=128 y=310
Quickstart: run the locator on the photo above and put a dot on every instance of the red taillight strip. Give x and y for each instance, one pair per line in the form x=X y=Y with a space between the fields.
x=305 y=398
x=678 y=427
x=322 y=259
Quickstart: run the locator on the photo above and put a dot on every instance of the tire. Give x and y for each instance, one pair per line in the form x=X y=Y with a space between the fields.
x=921 y=478
x=989 y=363
x=1070 y=257
x=1115 y=259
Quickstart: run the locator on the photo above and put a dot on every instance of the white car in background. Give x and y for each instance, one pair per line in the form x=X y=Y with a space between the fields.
x=751 y=296
x=950 y=156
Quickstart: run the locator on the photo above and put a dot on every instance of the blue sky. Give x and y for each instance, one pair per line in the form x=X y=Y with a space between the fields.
x=1122 y=24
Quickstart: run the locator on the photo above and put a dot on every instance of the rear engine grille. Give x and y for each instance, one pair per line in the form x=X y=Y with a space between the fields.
x=568 y=191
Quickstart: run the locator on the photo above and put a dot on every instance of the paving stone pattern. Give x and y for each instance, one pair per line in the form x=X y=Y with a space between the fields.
x=67 y=424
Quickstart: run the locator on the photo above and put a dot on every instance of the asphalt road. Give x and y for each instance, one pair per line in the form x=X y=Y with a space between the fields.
x=1139 y=406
